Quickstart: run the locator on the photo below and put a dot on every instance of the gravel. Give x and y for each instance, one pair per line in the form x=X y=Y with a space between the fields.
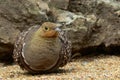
x=102 y=67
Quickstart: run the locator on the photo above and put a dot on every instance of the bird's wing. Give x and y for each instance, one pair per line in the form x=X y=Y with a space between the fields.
x=18 y=47
x=66 y=49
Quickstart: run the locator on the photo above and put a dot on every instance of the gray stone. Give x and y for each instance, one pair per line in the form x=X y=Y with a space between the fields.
x=17 y=16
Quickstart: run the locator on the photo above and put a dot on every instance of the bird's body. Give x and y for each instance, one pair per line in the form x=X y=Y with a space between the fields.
x=42 y=49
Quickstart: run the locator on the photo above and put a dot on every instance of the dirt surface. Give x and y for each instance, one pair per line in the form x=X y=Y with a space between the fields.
x=101 y=67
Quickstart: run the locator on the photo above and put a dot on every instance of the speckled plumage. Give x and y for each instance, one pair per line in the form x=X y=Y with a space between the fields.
x=19 y=51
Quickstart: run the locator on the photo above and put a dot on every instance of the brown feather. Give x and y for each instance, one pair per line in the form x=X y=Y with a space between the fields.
x=64 y=54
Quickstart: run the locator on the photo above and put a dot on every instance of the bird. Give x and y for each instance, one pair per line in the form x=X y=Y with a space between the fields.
x=42 y=48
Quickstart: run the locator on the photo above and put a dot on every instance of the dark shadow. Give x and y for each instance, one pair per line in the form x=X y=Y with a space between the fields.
x=7 y=60
x=6 y=53
x=58 y=71
x=92 y=53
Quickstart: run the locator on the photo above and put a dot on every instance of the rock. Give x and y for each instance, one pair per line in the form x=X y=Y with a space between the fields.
x=90 y=6
x=102 y=21
x=99 y=25
x=62 y=4
x=17 y=16
x=66 y=17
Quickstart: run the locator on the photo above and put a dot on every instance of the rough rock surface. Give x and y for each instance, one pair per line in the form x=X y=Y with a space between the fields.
x=101 y=25
x=16 y=16
x=62 y=4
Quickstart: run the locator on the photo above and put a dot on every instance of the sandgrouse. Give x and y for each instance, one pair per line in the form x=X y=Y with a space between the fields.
x=42 y=48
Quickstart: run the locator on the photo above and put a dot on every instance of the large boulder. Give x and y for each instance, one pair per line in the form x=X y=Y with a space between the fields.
x=102 y=21
x=17 y=16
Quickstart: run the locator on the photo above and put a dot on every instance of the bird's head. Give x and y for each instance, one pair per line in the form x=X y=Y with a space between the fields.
x=48 y=30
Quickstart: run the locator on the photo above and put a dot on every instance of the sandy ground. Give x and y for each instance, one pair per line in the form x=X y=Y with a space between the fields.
x=102 y=67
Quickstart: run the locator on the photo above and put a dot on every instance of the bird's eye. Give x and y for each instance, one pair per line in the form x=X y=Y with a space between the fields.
x=46 y=28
